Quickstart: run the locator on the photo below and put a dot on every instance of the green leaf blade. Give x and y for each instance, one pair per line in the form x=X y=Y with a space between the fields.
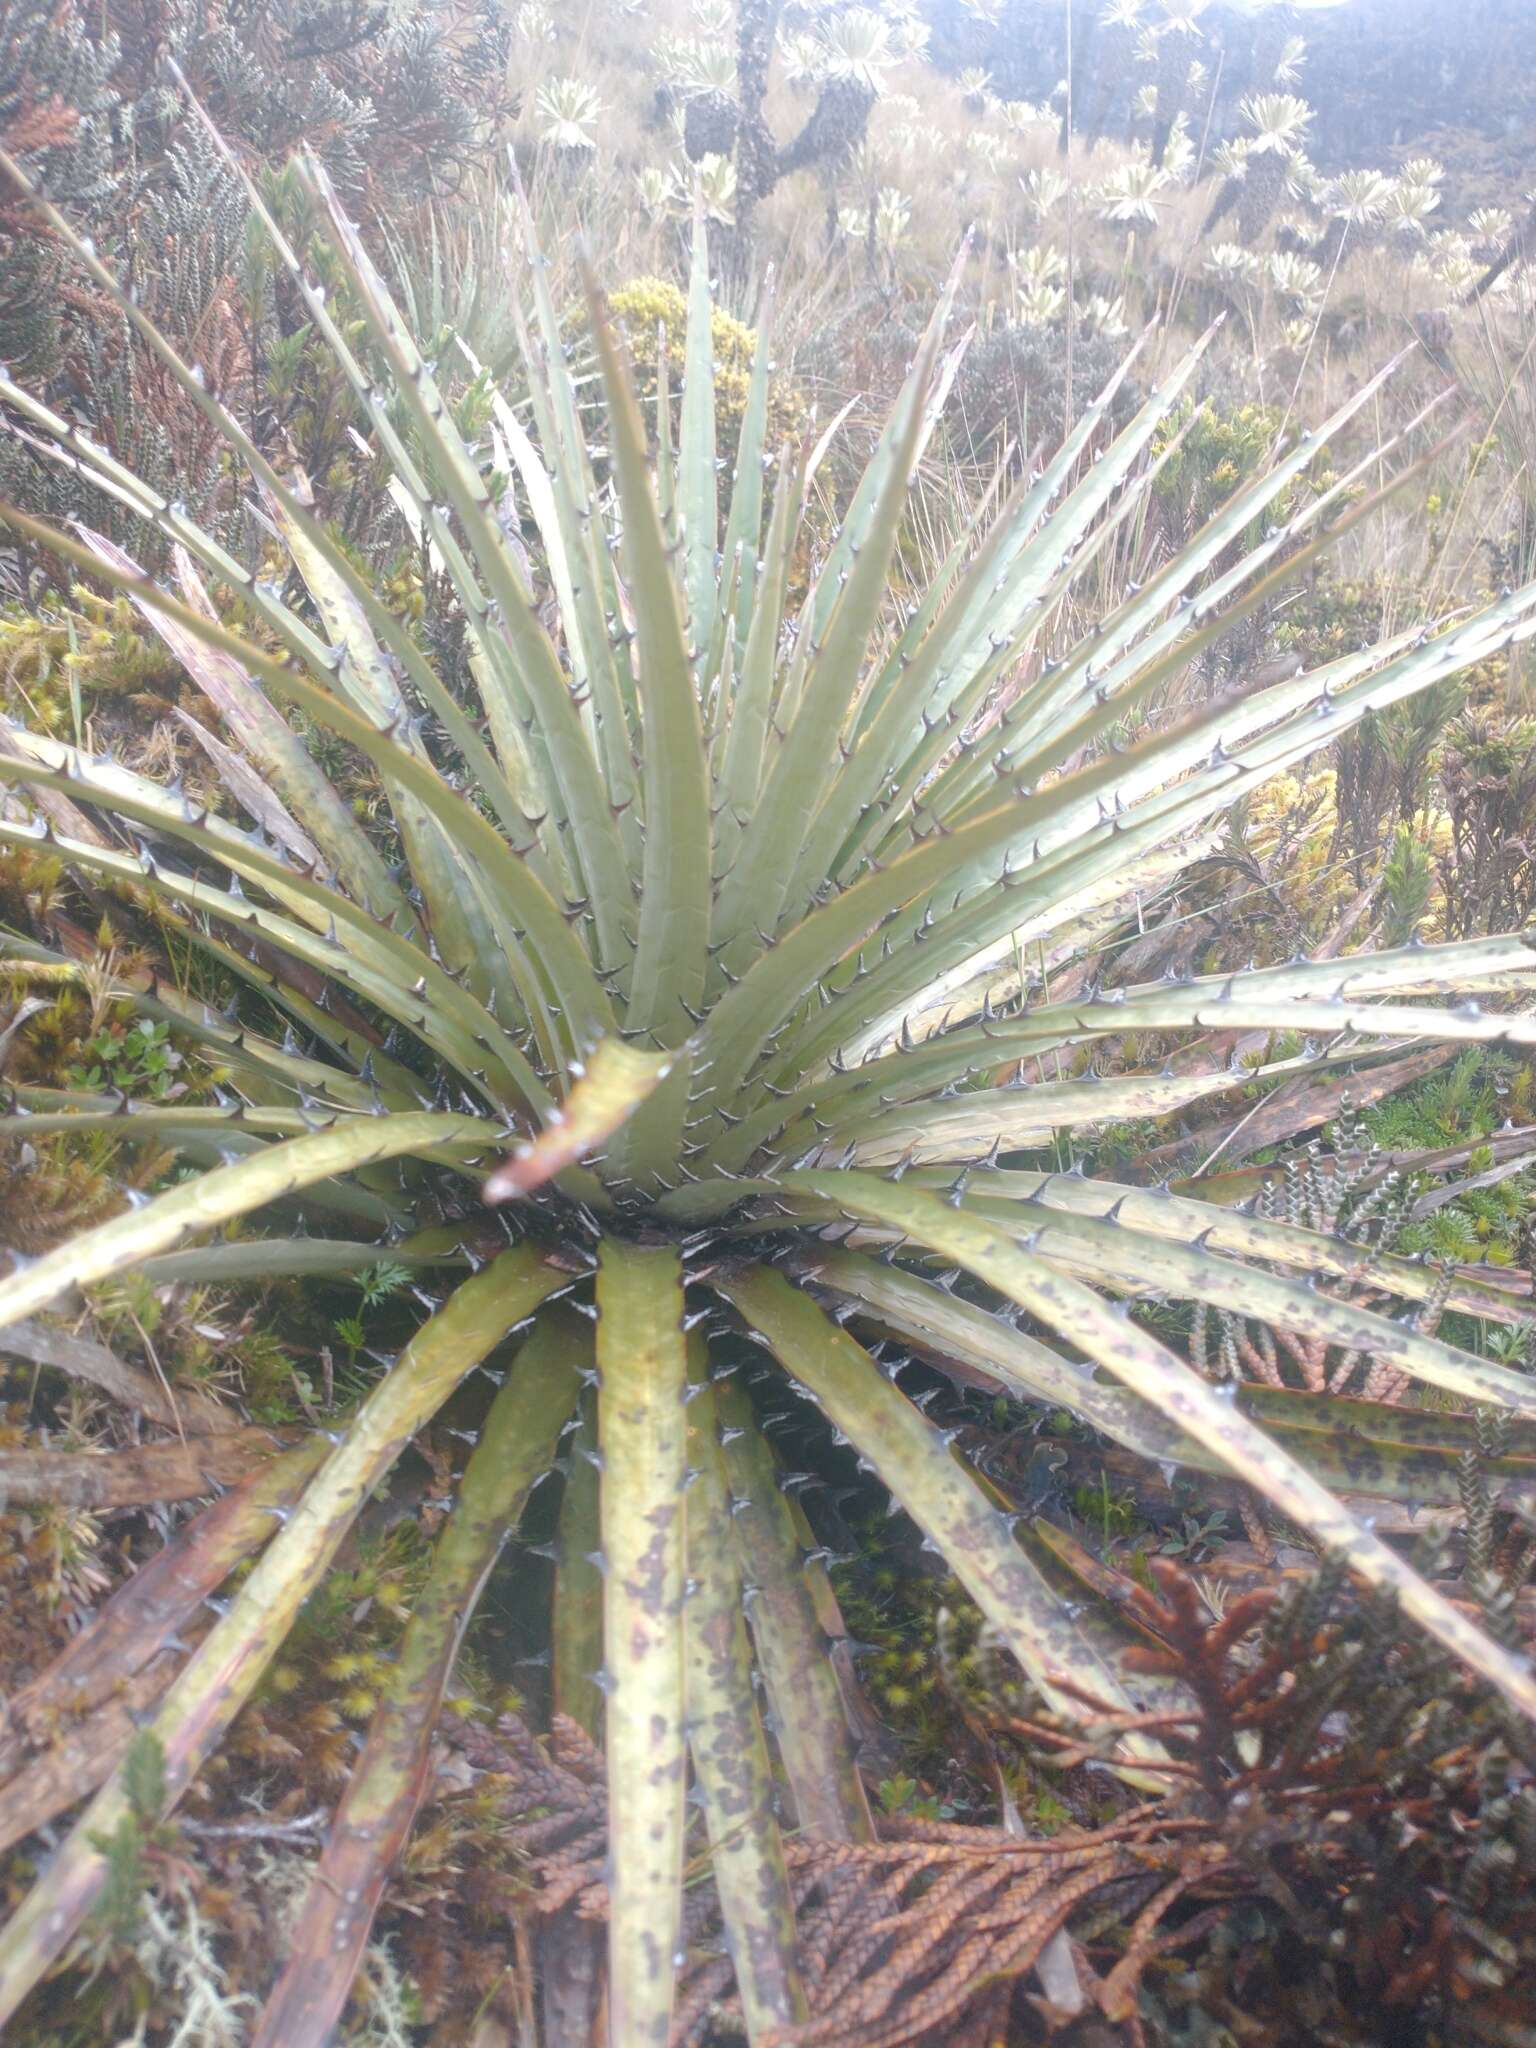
x=729 y=1751
x=228 y=1664
x=642 y=1435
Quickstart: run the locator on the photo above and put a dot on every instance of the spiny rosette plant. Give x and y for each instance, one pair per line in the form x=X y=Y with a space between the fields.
x=704 y=964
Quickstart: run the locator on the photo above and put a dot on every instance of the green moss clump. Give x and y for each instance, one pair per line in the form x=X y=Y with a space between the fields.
x=53 y=660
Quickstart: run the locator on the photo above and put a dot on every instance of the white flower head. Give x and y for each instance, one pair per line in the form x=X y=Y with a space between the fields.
x=1278 y=120
x=1297 y=280
x=1128 y=196
x=802 y=58
x=1233 y=267
x=568 y=110
x=1037 y=304
x=1359 y=198
x=533 y=23
x=1044 y=189
x=1288 y=65
x=1408 y=208
x=1041 y=263
x=856 y=45
x=1100 y=315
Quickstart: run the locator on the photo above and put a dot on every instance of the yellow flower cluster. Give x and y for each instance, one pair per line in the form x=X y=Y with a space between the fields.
x=652 y=312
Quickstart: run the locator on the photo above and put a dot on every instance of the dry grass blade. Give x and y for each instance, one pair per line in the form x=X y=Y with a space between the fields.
x=84 y=1359
x=135 y=1475
x=68 y=1727
x=1302 y=1105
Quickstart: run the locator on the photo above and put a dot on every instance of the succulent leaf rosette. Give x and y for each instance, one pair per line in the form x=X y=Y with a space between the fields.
x=704 y=956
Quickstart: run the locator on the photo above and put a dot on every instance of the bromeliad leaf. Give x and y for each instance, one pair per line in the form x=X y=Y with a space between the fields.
x=1206 y=1412
x=608 y=1091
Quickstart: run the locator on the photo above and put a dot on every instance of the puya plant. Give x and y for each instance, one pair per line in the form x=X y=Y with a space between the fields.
x=701 y=964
